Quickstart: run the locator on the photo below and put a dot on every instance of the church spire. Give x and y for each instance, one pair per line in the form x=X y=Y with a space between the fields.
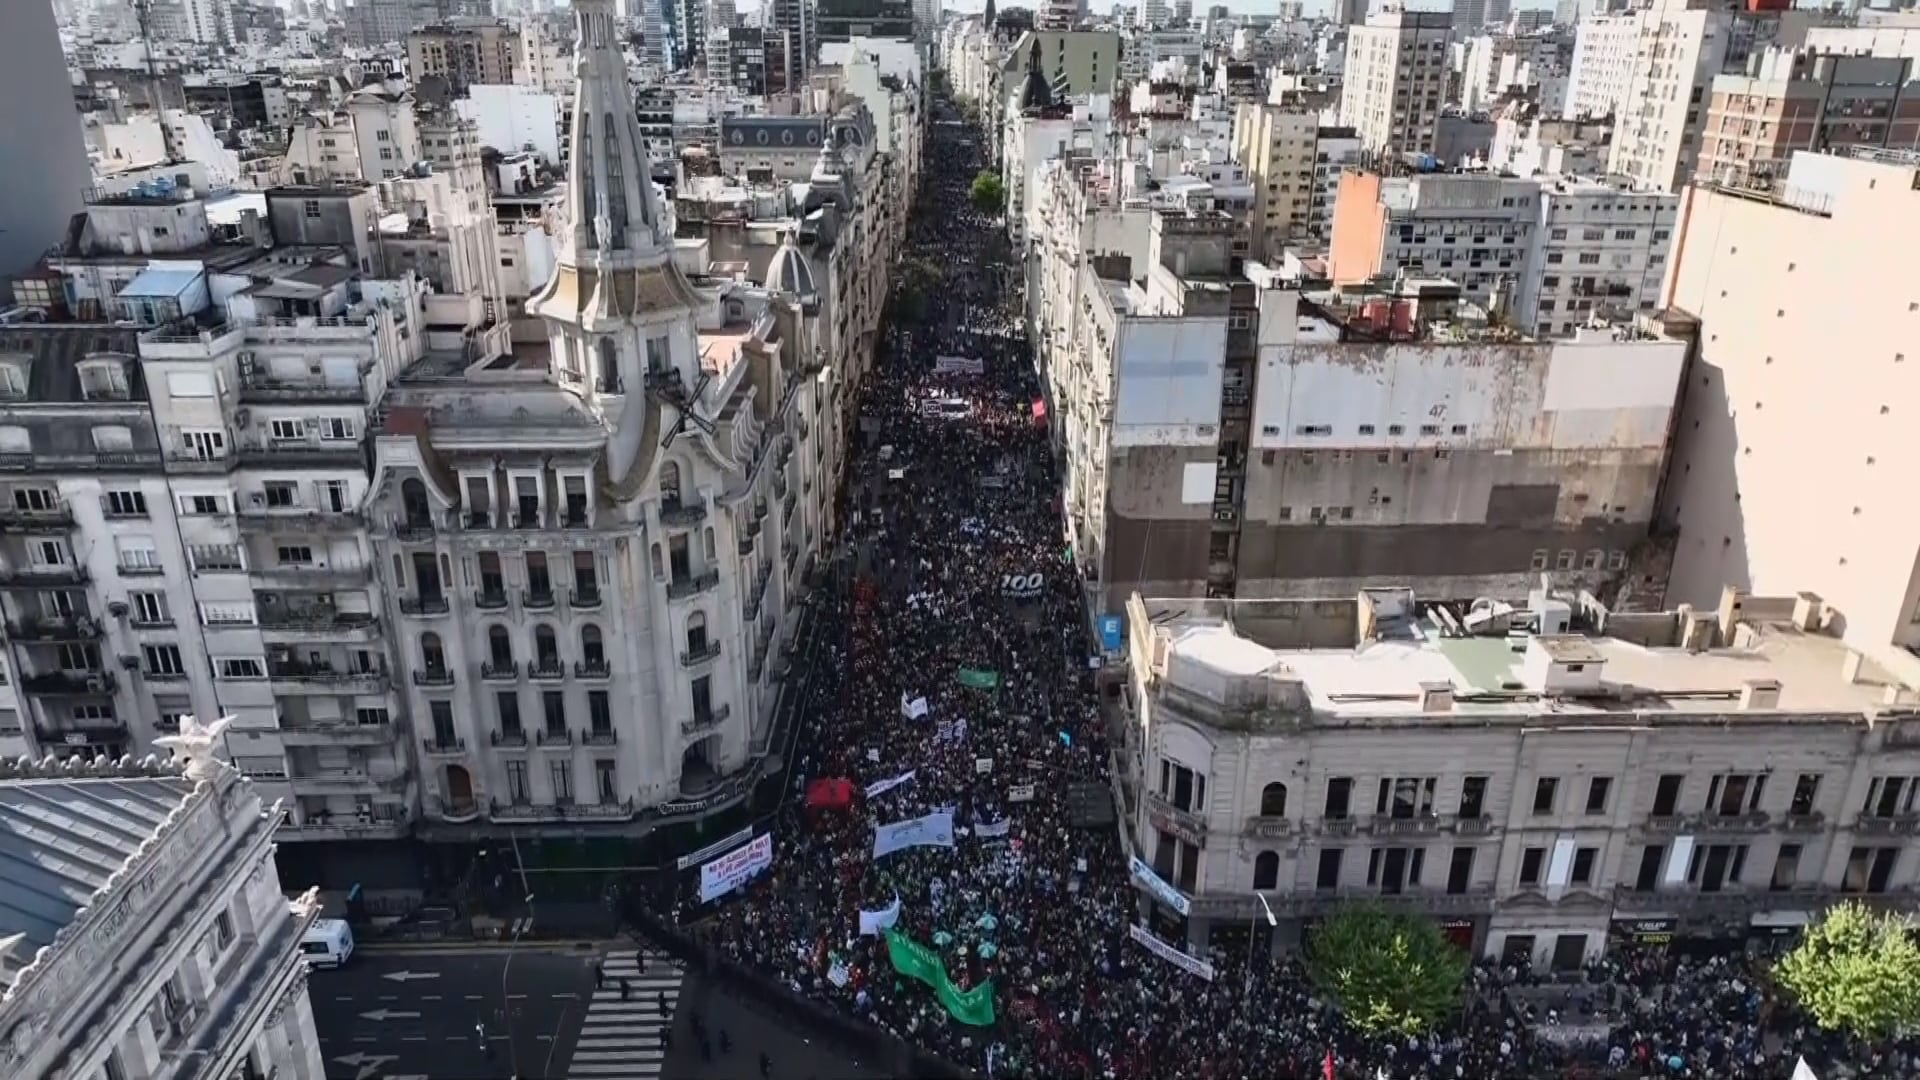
x=610 y=196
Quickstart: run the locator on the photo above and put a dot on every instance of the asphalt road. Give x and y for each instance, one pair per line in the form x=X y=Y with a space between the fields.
x=795 y=1055
x=386 y=1016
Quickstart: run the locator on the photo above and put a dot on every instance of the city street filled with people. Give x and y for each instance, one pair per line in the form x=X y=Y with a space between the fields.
x=954 y=711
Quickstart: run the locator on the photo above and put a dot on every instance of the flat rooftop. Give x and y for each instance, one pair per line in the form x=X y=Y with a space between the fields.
x=1211 y=645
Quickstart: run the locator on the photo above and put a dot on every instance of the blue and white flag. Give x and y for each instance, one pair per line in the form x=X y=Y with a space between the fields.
x=872 y=922
x=881 y=787
x=988 y=829
x=928 y=830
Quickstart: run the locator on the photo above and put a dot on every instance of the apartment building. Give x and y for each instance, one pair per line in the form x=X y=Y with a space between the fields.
x=1335 y=150
x=594 y=523
x=463 y=53
x=1773 y=274
x=1604 y=47
x=195 y=474
x=1475 y=229
x=1396 y=79
x=1599 y=250
x=1680 y=46
x=169 y=933
x=1798 y=99
x=1544 y=777
x=1278 y=146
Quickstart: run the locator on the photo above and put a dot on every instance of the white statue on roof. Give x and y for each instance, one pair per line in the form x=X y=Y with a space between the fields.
x=196 y=742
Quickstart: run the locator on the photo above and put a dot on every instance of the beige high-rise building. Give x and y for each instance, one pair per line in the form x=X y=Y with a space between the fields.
x=1799 y=99
x=464 y=53
x=1276 y=144
x=1795 y=441
x=1396 y=79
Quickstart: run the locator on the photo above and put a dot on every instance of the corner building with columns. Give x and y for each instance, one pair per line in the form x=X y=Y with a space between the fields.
x=596 y=545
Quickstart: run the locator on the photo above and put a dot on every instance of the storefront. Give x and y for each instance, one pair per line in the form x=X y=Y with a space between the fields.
x=1641 y=935
x=1774 y=933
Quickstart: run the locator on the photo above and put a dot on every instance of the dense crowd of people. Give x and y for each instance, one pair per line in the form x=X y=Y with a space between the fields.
x=956 y=682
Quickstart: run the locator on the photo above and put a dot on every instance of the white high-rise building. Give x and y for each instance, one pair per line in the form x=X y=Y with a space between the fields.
x=1603 y=51
x=1396 y=79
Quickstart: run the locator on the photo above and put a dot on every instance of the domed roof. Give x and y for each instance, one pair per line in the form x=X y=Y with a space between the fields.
x=789 y=273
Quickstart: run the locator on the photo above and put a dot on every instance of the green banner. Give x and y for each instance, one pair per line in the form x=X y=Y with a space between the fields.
x=916 y=961
x=979 y=680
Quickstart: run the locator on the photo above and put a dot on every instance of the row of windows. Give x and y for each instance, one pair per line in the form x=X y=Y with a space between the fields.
x=1326 y=430
x=1728 y=794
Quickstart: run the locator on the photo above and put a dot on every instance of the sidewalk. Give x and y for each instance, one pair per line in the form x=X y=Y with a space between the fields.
x=454 y=945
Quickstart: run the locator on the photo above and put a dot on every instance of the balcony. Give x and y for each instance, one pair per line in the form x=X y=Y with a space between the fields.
x=424 y=605
x=340 y=627
x=1886 y=825
x=262 y=390
x=96 y=733
x=561 y=811
x=291 y=521
x=490 y=599
x=311 y=453
x=1753 y=821
x=584 y=599
x=575 y=517
x=548 y=669
x=701 y=655
x=1388 y=825
x=1473 y=826
x=381 y=823
x=414 y=531
x=1268 y=827
x=450 y=748
x=452 y=810
x=327 y=680
x=1163 y=812
x=70 y=682
x=434 y=676
x=43 y=577
x=311 y=732
x=48 y=628
x=196 y=463
x=681 y=588
x=599 y=738
x=592 y=669
x=313 y=576
x=58 y=518
x=348 y=781
x=675 y=513
x=757 y=592
x=701 y=725
x=504 y=671
x=1804 y=823
x=540 y=600
x=562 y=738
x=1666 y=823
x=509 y=738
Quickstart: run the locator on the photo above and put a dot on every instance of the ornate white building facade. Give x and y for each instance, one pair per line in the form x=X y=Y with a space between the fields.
x=598 y=542
x=142 y=929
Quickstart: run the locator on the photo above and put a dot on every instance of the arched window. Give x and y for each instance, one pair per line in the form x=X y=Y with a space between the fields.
x=669 y=484
x=1273 y=800
x=713 y=550
x=659 y=564
x=414 y=503
x=592 y=652
x=432 y=656
x=1266 y=871
x=546 y=646
x=696 y=634
x=609 y=367
x=499 y=646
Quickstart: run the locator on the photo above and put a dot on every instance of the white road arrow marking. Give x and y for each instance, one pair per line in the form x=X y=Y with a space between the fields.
x=389 y=1014
x=367 y=1064
x=409 y=976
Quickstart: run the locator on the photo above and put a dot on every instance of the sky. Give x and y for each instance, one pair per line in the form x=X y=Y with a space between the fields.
x=1238 y=7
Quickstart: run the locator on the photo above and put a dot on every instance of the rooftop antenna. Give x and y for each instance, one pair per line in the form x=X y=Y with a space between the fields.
x=143 y=10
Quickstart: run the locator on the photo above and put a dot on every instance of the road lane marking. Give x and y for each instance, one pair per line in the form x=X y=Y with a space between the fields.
x=413 y=1038
x=429 y=997
x=366 y=1038
x=473 y=997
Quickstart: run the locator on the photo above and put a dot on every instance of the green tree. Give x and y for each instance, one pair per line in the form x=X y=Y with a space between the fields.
x=1856 y=971
x=1388 y=971
x=988 y=193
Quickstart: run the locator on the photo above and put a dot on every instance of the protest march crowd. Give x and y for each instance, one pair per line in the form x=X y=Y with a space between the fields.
x=925 y=874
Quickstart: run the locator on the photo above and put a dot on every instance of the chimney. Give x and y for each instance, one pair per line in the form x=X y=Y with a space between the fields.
x=1807 y=608
x=1436 y=697
x=1850 y=666
x=1759 y=695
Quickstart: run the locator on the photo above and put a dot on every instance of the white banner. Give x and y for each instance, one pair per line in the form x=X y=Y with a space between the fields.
x=872 y=922
x=881 y=787
x=914 y=709
x=838 y=974
x=928 y=830
x=982 y=765
x=1020 y=793
x=959 y=365
x=1192 y=965
x=1144 y=876
x=993 y=828
x=735 y=868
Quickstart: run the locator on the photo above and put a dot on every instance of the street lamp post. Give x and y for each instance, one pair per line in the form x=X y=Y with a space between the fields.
x=1253 y=927
x=513 y=946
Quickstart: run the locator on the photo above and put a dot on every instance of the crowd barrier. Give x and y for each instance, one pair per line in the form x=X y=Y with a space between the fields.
x=871 y=1044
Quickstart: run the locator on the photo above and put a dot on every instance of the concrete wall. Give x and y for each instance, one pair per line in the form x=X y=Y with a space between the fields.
x=40 y=128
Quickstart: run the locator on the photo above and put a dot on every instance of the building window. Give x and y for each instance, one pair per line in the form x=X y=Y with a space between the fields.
x=1266 y=870
x=1531 y=860
x=1329 y=872
x=1598 y=789
x=1546 y=791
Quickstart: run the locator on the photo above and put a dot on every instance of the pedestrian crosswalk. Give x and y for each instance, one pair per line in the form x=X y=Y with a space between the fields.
x=621 y=1038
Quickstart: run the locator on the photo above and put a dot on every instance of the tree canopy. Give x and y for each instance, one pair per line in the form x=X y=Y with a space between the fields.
x=1388 y=971
x=1856 y=971
x=989 y=194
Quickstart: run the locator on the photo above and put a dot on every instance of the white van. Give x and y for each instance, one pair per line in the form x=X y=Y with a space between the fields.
x=328 y=943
